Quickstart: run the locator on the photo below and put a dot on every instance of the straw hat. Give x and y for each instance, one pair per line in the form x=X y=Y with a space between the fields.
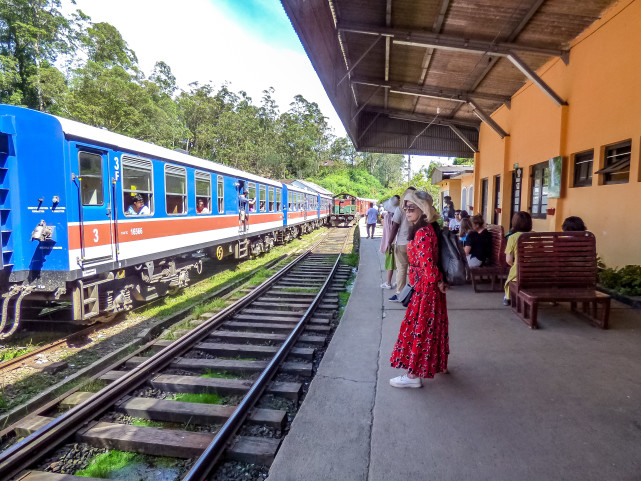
x=391 y=204
x=423 y=201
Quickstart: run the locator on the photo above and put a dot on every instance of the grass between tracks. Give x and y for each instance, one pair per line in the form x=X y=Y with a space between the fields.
x=107 y=464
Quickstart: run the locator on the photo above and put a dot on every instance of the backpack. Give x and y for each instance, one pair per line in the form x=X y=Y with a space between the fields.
x=451 y=258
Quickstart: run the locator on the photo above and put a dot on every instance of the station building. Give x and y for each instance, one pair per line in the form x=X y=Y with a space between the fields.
x=555 y=85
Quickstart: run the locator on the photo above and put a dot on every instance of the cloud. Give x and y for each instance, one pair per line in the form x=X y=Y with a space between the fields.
x=201 y=42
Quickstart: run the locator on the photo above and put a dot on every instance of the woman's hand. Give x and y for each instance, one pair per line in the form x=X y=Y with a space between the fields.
x=443 y=286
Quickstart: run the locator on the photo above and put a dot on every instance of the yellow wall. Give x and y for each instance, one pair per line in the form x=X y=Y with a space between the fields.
x=601 y=86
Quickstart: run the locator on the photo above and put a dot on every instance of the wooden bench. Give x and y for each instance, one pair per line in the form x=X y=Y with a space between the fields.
x=558 y=267
x=497 y=269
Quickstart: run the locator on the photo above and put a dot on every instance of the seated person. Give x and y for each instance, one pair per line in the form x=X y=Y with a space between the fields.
x=521 y=222
x=201 y=208
x=573 y=224
x=455 y=223
x=478 y=244
x=465 y=229
x=138 y=207
x=261 y=206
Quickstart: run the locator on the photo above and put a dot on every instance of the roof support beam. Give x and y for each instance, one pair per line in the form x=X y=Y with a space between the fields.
x=404 y=115
x=447 y=42
x=422 y=132
x=434 y=92
x=378 y=114
x=462 y=136
x=355 y=64
x=535 y=79
x=487 y=119
x=366 y=102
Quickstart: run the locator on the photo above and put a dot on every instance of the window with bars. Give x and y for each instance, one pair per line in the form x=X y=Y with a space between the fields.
x=221 y=194
x=539 y=186
x=262 y=198
x=271 y=199
x=203 y=192
x=616 y=164
x=278 y=199
x=583 y=168
x=137 y=175
x=251 y=187
x=175 y=190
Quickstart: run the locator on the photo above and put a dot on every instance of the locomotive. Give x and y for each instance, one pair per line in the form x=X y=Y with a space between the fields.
x=99 y=220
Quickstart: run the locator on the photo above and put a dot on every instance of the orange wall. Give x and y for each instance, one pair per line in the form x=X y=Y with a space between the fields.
x=601 y=86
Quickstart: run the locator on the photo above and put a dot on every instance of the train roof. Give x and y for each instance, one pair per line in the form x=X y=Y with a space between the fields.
x=93 y=134
x=295 y=188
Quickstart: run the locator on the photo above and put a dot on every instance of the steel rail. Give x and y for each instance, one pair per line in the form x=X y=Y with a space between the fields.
x=205 y=463
x=38 y=444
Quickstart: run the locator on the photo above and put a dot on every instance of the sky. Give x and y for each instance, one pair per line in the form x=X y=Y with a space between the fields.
x=249 y=44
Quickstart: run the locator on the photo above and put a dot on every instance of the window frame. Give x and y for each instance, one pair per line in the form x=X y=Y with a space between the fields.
x=541 y=167
x=204 y=176
x=278 y=202
x=101 y=189
x=220 y=193
x=606 y=178
x=167 y=171
x=271 y=200
x=129 y=162
x=262 y=197
x=252 y=186
x=581 y=158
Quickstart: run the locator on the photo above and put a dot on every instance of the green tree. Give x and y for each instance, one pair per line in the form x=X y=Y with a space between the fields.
x=463 y=161
x=33 y=33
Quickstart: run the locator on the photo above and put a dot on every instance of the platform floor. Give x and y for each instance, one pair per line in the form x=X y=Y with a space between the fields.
x=559 y=403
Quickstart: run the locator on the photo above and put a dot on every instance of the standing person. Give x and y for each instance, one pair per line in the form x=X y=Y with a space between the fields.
x=400 y=231
x=423 y=341
x=387 y=241
x=448 y=210
x=372 y=216
x=478 y=244
x=521 y=222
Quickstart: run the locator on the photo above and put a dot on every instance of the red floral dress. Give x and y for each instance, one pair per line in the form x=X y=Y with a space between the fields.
x=423 y=342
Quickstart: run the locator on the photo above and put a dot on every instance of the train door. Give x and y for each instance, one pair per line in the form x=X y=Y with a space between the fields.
x=95 y=205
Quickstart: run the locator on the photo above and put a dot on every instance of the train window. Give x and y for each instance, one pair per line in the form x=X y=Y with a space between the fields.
x=278 y=199
x=175 y=190
x=262 y=198
x=290 y=200
x=271 y=199
x=203 y=193
x=251 y=188
x=221 y=195
x=136 y=180
x=90 y=173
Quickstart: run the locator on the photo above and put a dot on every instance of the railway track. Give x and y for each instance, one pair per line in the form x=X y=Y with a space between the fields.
x=258 y=349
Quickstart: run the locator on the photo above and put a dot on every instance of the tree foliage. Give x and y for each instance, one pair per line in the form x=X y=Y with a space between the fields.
x=72 y=67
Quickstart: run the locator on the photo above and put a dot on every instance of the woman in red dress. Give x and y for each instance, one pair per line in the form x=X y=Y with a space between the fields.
x=422 y=346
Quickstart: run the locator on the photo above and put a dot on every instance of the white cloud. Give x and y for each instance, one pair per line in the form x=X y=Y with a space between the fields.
x=201 y=44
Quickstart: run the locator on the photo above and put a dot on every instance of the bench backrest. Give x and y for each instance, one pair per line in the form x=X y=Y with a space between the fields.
x=498 y=245
x=556 y=259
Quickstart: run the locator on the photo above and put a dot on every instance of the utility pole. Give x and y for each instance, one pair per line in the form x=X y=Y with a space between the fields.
x=409 y=168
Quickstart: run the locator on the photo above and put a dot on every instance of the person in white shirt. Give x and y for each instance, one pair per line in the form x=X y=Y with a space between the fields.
x=455 y=223
x=400 y=232
x=372 y=217
x=138 y=207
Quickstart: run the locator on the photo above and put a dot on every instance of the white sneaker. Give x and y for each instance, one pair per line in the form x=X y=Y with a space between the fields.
x=404 y=381
x=385 y=285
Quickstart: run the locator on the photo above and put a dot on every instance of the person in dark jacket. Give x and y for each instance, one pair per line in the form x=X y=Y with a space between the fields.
x=478 y=244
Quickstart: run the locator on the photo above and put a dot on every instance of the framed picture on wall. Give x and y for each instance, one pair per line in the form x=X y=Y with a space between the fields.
x=554 y=183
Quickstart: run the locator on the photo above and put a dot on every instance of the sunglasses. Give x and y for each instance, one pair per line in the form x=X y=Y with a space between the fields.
x=409 y=208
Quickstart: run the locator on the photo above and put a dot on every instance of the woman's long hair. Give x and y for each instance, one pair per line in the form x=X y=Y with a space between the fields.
x=422 y=222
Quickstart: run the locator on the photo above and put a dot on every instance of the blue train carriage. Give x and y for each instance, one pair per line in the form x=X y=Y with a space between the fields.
x=71 y=228
x=302 y=210
x=324 y=198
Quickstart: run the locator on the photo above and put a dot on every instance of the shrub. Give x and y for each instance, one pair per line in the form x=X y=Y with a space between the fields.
x=625 y=281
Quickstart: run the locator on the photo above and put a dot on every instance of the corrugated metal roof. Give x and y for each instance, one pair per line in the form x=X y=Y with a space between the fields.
x=415 y=58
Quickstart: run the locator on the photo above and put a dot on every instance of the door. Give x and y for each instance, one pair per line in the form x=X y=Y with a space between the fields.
x=484 y=193
x=95 y=199
x=497 y=198
x=517 y=178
